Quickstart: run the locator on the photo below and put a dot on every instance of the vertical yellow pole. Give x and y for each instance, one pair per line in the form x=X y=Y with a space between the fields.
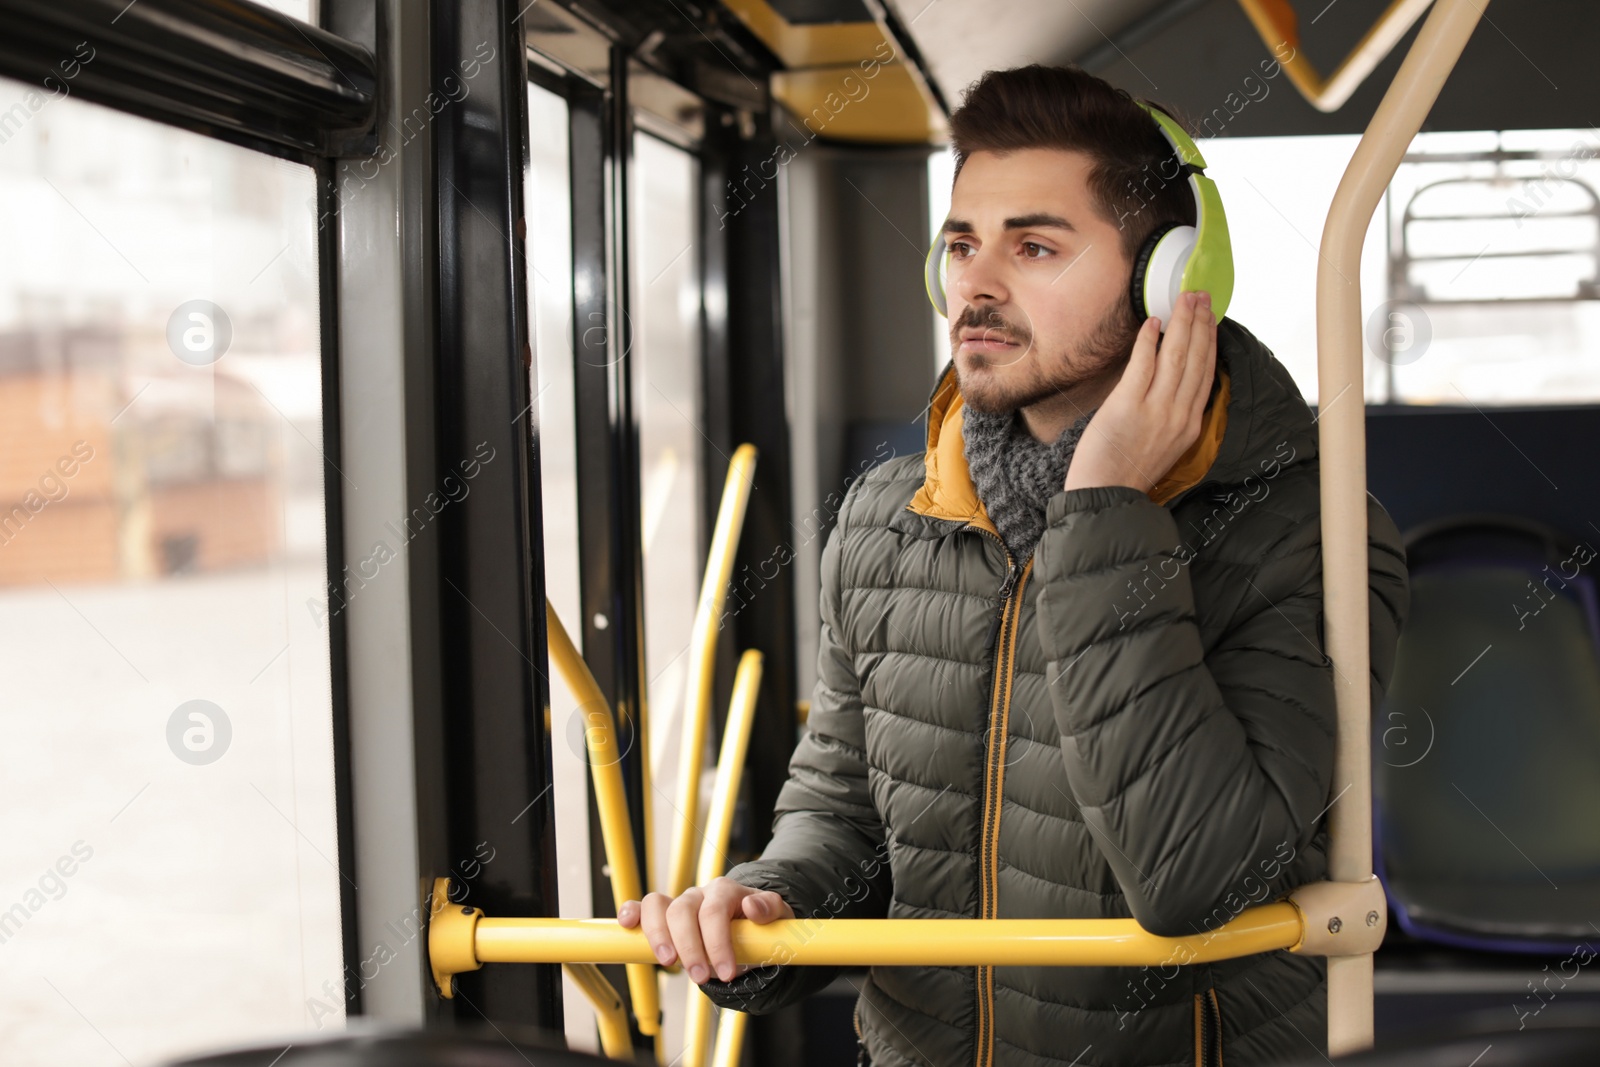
x=730 y=1038
x=1341 y=426
x=702 y=662
x=714 y=848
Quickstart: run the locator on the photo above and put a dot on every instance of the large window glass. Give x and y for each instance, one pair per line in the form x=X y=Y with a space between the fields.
x=548 y=205
x=666 y=396
x=1494 y=270
x=168 y=875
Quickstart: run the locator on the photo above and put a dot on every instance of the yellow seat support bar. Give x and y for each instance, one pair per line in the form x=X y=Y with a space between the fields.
x=615 y=1037
x=605 y=768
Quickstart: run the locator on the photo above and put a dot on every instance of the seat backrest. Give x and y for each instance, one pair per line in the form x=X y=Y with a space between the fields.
x=1486 y=751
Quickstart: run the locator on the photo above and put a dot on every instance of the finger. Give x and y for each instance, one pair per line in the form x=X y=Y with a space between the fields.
x=722 y=903
x=765 y=907
x=683 y=919
x=653 y=919
x=628 y=914
x=1196 y=381
x=1174 y=352
x=1142 y=362
x=762 y=908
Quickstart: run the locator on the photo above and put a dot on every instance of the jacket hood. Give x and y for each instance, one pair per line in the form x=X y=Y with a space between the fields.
x=1254 y=408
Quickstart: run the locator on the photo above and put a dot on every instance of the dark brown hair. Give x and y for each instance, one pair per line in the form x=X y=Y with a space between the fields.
x=1133 y=174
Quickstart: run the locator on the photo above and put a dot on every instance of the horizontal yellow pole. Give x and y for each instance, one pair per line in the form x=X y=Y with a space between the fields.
x=905 y=942
x=605 y=769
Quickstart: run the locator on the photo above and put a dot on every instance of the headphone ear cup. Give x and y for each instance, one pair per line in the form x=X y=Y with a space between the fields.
x=933 y=276
x=1141 y=265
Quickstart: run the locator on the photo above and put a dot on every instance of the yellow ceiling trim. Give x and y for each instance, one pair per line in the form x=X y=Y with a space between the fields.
x=841 y=104
x=812 y=45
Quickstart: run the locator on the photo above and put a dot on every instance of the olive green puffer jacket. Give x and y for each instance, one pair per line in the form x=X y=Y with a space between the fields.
x=1139 y=721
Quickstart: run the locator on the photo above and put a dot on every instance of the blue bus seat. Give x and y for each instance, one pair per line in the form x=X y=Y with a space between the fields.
x=1486 y=750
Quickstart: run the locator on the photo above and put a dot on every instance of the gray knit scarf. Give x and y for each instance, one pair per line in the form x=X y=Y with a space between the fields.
x=1015 y=474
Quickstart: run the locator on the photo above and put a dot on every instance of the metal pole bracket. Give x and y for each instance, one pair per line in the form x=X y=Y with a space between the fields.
x=452 y=938
x=1341 y=918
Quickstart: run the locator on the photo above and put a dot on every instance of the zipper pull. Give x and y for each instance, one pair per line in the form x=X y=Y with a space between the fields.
x=1010 y=584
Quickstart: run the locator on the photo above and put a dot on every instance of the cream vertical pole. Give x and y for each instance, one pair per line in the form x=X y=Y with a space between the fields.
x=1342 y=437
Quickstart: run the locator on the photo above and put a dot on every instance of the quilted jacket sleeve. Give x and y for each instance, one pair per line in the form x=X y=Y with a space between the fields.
x=828 y=857
x=1196 y=767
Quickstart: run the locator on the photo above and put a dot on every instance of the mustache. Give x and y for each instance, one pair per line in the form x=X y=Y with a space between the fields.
x=987 y=317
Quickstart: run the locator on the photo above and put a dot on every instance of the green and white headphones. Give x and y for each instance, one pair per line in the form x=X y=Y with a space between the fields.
x=1173 y=259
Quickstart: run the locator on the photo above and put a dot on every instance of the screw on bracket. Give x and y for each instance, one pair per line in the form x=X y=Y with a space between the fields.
x=1334 y=925
x=1372 y=918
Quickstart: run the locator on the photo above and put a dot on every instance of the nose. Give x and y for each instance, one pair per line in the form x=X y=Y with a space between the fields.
x=979 y=278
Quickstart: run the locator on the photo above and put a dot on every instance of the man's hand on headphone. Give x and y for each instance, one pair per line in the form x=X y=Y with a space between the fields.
x=1153 y=415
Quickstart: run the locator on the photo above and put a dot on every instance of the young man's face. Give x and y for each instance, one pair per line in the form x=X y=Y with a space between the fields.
x=1037 y=283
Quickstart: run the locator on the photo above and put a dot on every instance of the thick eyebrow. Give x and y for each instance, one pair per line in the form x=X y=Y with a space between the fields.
x=1035 y=221
x=1039 y=220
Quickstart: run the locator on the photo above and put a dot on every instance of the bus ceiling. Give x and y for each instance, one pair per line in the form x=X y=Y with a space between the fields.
x=890 y=71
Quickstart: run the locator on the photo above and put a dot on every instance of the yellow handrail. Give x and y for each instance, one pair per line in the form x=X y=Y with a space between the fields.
x=702 y=662
x=714 y=848
x=463 y=942
x=614 y=1036
x=605 y=766
x=1341 y=432
x=1275 y=21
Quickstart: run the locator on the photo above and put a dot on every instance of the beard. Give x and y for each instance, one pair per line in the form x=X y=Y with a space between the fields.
x=1037 y=373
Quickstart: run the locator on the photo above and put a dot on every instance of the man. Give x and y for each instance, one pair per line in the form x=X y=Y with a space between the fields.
x=1072 y=658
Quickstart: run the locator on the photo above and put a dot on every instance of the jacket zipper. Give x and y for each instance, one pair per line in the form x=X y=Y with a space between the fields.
x=994 y=781
x=1209 y=1023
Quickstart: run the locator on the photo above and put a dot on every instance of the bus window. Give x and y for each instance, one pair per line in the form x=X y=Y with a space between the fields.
x=1494 y=270
x=666 y=395
x=1278 y=191
x=167 y=810
x=548 y=203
